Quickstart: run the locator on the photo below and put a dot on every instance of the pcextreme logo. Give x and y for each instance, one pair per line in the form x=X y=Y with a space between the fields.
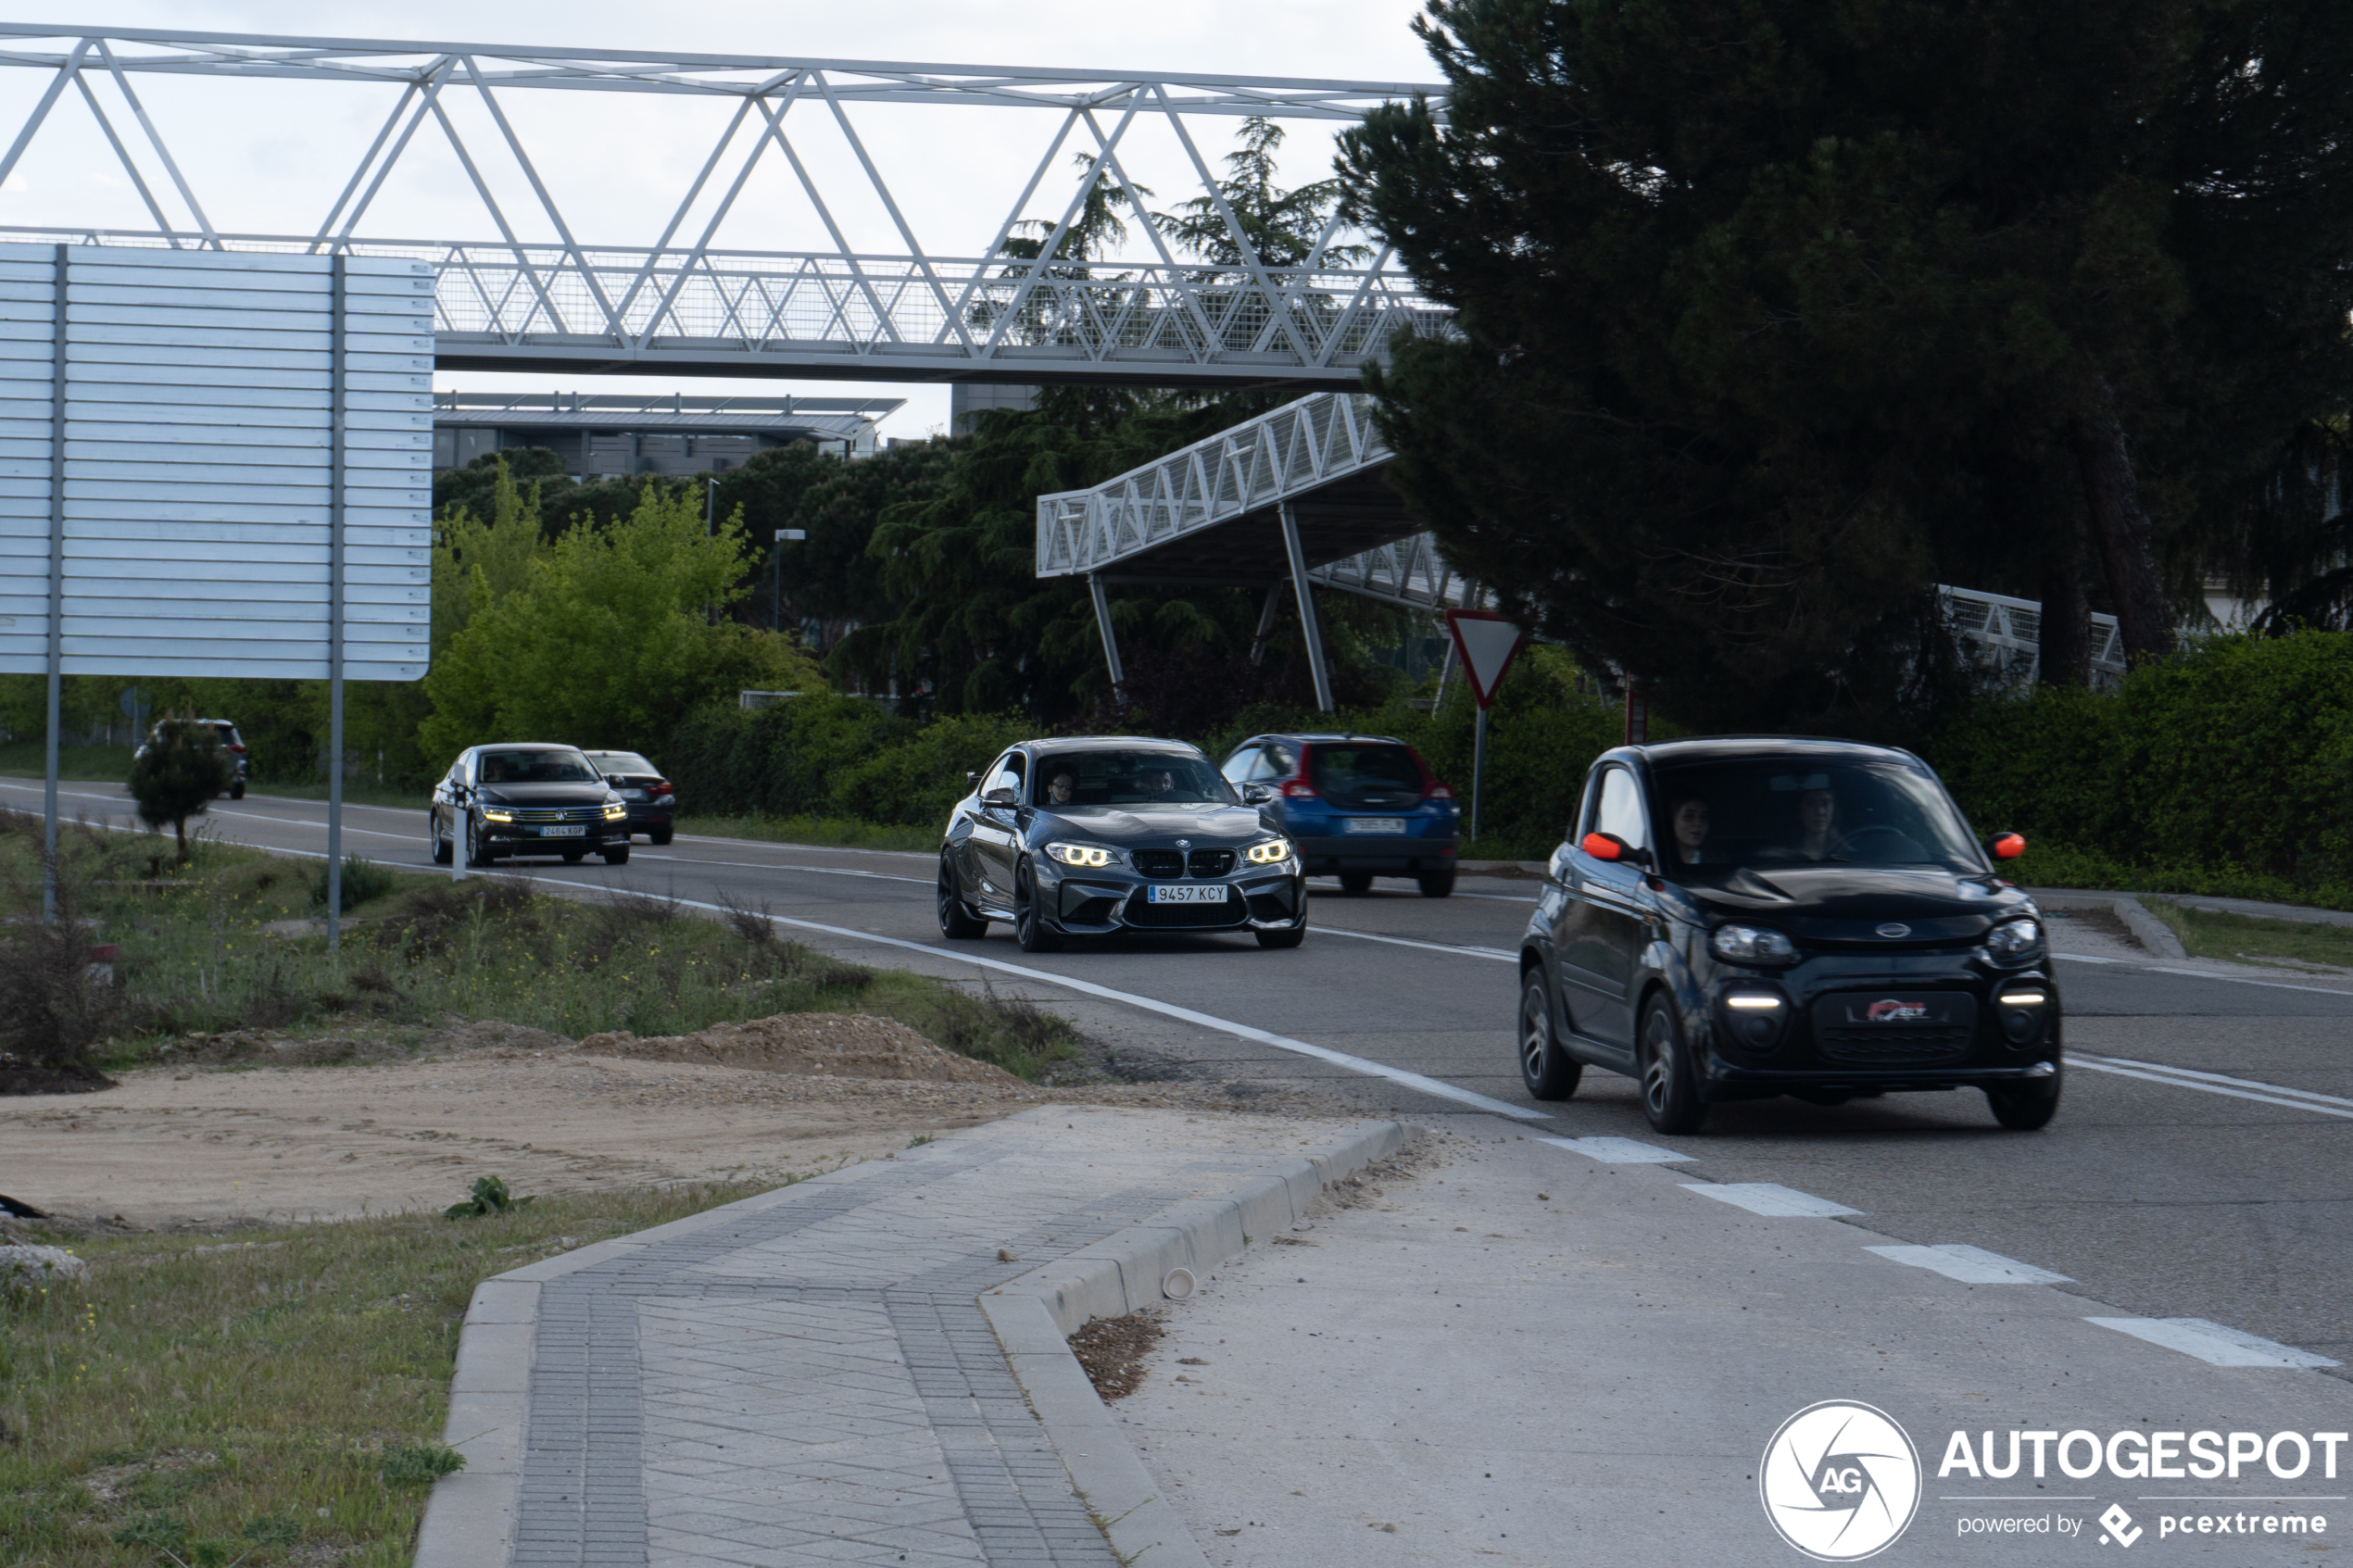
x=1840 y=1481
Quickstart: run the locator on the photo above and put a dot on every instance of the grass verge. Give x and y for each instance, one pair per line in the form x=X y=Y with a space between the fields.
x=2211 y=935
x=232 y=942
x=277 y=1397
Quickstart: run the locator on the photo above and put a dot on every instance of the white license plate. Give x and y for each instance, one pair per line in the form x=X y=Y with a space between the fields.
x=1372 y=824
x=575 y=832
x=1211 y=894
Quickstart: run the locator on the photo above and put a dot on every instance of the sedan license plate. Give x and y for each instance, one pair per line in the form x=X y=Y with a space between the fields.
x=1211 y=893
x=573 y=832
x=1373 y=825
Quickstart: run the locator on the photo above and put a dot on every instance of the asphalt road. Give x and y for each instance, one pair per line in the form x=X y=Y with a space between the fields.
x=2224 y=1198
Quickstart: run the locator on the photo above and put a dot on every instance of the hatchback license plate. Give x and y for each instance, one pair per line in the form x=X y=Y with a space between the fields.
x=1373 y=825
x=575 y=832
x=1198 y=894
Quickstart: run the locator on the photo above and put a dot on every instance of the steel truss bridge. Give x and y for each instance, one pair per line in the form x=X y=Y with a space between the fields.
x=536 y=295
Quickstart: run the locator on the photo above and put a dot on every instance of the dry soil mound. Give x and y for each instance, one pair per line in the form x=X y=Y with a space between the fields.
x=832 y=1044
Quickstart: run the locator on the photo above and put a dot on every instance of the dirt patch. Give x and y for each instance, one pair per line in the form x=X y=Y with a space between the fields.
x=221 y=1148
x=826 y=1044
x=107 y=1484
x=1113 y=1351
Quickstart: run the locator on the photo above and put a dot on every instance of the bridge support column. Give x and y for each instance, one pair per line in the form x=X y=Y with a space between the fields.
x=1111 y=638
x=1265 y=623
x=1307 y=621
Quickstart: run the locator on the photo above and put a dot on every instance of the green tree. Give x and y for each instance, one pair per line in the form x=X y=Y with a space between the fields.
x=605 y=638
x=182 y=768
x=1770 y=316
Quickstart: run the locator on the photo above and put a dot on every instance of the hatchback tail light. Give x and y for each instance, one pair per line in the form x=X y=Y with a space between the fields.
x=238 y=746
x=1439 y=792
x=1298 y=789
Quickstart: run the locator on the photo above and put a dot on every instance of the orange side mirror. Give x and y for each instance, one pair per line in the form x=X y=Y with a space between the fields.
x=1602 y=846
x=2008 y=846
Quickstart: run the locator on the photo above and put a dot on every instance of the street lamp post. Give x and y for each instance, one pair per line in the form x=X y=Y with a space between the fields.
x=776 y=575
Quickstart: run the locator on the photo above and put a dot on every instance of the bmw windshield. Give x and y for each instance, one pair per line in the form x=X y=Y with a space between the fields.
x=1128 y=778
x=1767 y=813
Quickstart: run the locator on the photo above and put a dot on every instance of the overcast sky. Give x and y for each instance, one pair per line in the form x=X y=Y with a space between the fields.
x=271 y=157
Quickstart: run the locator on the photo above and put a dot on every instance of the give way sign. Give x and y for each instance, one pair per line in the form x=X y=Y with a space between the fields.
x=1487 y=643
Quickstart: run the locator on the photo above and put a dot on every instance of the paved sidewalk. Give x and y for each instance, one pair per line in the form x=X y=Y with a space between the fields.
x=807 y=1376
x=1527 y=1355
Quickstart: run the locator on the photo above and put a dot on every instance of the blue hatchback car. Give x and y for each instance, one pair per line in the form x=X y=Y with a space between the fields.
x=1357 y=806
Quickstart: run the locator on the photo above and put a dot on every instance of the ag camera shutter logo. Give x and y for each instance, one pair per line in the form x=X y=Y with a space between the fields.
x=1840 y=1481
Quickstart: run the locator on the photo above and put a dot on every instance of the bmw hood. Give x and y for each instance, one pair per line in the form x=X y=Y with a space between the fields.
x=1835 y=903
x=1155 y=825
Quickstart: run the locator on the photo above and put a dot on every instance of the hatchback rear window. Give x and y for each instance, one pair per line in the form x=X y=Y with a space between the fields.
x=1347 y=770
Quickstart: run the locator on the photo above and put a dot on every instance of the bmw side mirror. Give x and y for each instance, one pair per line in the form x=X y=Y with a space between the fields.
x=1256 y=794
x=2006 y=846
x=1559 y=870
x=1000 y=797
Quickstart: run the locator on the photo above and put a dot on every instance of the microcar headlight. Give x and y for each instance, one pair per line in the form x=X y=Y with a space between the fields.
x=497 y=814
x=1093 y=856
x=1751 y=944
x=2014 y=938
x=1274 y=852
x=615 y=810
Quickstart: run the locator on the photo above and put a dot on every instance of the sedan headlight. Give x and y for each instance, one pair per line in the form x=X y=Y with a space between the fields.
x=1274 y=852
x=1751 y=944
x=1093 y=856
x=2014 y=938
x=497 y=814
x=615 y=810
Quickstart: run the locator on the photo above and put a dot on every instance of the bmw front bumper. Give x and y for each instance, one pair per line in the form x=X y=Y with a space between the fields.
x=1097 y=900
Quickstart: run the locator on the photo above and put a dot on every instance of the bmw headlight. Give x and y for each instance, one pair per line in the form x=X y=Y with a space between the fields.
x=2014 y=938
x=1274 y=852
x=1093 y=856
x=1751 y=944
x=497 y=814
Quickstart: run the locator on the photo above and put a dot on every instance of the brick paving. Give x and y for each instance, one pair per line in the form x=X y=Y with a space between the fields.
x=812 y=1382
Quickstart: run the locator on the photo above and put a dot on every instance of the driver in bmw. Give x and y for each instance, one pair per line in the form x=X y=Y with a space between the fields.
x=1060 y=789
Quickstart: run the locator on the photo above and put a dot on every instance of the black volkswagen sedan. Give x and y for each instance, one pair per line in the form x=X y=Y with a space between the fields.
x=1736 y=918
x=1096 y=834
x=523 y=799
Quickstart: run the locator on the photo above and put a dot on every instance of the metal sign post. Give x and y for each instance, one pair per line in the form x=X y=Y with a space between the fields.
x=1487 y=643
x=217 y=464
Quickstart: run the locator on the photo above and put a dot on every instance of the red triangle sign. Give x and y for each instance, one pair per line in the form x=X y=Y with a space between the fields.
x=1487 y=643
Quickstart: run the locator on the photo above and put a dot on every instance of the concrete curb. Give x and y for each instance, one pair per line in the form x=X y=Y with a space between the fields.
x=469 y=1517
x=1035 y=1315
x=2146 y=929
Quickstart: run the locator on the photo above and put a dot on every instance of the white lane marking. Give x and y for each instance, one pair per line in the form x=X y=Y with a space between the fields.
x=775 y=866
x=1398 y=1075
x=1460 y=952
x=2218 y=1078
x=2202 y=975
x=2302 y=1099
x=1971 y=1266
x=1771 y=1199
x=2212 y=1343
x=1618 y=1151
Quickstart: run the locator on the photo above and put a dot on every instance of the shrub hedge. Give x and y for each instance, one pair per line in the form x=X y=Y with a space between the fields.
x=2227 y=771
